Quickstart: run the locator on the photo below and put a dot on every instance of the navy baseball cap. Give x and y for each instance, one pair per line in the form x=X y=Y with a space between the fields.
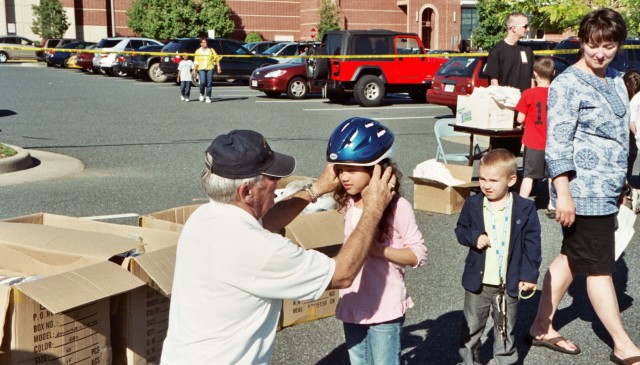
x=241 y=154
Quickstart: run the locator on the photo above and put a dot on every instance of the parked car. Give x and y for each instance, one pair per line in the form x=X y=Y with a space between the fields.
x=122 y=65
x=84 y=60
x=259 y=47
x=51 y=43
x=283 y=52
x=60 y=58
x=104 y=61
x=233 y=68
x=625 y=60
x=148 y=66
x=288 y=77
x=13 y=41
x=461 y=75
x=402 y=69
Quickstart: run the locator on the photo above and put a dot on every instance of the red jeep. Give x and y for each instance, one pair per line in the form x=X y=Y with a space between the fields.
x=366 y=64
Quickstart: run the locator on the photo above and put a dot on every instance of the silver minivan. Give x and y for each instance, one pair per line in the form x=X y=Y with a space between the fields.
x=12 y=41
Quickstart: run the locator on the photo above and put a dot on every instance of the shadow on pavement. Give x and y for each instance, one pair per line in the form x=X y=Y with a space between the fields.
x=6 y=113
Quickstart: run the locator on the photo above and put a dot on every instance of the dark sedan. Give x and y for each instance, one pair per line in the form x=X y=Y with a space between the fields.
x=60 y=58
x=290 y=78
x=148 y=66
x=237 y=62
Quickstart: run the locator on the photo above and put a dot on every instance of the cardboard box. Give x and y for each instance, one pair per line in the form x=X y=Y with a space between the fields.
x=62 y=316
x=434 y=196
x=483 y=112
x=322 y=231
x=140 y=316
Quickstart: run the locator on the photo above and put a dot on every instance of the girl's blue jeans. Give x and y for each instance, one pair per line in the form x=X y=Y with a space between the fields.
x=374 y=344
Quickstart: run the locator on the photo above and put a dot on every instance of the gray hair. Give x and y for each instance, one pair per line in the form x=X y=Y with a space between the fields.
x=224 y=190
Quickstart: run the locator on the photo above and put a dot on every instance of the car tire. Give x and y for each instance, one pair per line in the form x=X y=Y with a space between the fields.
x=49 y=64
x=95 y=71
x=107 y=71
x=120 y=73
x=419 y=95
x=317 y=68
x=195 y=81
x=298 y=88
x=3 y=57
x=65 y=63
x=338 y=96
x=369 y=91
x=272 y=94
x=155 y=73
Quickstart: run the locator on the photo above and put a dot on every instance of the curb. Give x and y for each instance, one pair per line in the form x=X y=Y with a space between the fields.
x=20 y=161
x=45 y=166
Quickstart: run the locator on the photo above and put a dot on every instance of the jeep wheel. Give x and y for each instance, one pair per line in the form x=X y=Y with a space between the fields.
x=419 y=95
x=338 y=96
x=317 y=68
x=156 y=74
x=369 y=91
x=297 y=88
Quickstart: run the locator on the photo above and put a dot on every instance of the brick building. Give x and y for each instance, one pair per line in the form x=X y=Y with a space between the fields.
x=442 y=24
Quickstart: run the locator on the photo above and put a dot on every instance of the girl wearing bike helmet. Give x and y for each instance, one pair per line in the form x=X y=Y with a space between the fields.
x=372 y=309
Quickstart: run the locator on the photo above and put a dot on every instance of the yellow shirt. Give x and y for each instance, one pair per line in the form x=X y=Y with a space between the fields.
x=491 y=275
x=206 y=60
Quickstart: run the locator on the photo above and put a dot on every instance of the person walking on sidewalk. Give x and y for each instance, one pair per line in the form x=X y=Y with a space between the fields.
x=205 y=61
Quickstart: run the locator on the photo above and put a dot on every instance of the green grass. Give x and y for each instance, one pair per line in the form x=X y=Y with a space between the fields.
x=6 y=151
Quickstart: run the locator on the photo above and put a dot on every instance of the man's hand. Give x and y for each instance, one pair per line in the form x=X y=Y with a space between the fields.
x=380 y=190
x=483 y=242
x=327 y=182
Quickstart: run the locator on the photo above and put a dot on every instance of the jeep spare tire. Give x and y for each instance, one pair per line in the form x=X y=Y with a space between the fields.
x=317 y=68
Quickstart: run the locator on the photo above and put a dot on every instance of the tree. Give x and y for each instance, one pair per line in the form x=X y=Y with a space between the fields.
x=253 y=37
x=329 y=18
x=215 y=15
x=49 y=19
x=166 y=19
x=491 y=18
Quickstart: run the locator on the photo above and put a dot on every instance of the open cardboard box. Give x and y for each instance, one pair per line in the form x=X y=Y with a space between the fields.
x=64 y=315
x=322 y=231
x=483 y=112
x=434 y=196
x=139 y=318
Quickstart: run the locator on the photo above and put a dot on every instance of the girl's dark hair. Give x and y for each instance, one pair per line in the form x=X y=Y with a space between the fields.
x=632 y=82
x=384 y=230
x=602 y=25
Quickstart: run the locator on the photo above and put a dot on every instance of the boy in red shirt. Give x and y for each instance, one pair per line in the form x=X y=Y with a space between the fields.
x=532 y=112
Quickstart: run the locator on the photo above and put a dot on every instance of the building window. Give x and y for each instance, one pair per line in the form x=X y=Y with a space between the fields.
x=468 y=22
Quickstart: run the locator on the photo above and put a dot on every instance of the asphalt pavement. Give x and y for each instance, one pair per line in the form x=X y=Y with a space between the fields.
x=142 y=151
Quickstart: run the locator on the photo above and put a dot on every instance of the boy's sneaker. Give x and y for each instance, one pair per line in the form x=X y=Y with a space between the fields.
x=201 y=97
x=635 y=200
x=208 y=99
x=186 y=100
x=181 y=98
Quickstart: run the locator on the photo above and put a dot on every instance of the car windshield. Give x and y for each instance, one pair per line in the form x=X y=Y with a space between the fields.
x=275 y=49
x=458 y=66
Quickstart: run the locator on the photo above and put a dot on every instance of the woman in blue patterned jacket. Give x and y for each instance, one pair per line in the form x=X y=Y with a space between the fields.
x=586 y=153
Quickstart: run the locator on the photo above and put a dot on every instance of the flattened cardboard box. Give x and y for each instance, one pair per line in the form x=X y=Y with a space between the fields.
x=322 y=231
x=434 y=196
x=139 y=317
x=63 y=315
x=483 y=112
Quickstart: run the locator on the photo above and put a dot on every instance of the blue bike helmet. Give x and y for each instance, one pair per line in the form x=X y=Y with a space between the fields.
x=360 y=142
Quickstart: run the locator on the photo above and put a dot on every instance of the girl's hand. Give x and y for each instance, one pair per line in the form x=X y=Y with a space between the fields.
x=524 y=286
x=483 y=242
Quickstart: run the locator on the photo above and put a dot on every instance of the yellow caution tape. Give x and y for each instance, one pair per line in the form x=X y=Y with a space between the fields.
x=421 y=55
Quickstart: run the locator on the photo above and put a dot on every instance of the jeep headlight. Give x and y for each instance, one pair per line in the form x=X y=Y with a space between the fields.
x=274 y=74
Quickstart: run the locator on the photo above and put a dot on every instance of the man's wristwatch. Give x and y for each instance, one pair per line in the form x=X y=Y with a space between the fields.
x=309 y=189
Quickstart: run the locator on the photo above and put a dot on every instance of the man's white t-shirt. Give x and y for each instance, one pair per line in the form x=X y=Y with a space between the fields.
x=230 y=277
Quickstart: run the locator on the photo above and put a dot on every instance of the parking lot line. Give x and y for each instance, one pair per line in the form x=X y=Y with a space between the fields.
x=400 y=118
x=293 y=101
x=382 y=108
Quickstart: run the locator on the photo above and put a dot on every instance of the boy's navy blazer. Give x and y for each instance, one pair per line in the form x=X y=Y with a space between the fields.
x=524 y=245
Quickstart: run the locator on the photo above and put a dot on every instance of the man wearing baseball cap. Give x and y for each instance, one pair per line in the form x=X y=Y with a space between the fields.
x=232 y=272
